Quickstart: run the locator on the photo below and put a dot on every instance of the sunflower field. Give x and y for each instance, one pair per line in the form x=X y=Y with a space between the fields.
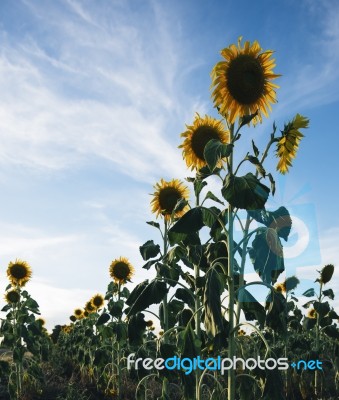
x=195 y=328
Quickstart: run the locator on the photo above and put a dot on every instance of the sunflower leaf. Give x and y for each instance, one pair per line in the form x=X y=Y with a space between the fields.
x=329 y=293
x=252 y=309
x=152 y=223
x=255 y=149
x=149 y=250
x=245 y=192
x=272 y=181
x=213 y=319
x=254 y=160
x=104 y=317
x=215 y=151
x=198 y=186
x=153 y=293
x=211 y=196
x=309 y=293
x=266 y=255
x=190 y=222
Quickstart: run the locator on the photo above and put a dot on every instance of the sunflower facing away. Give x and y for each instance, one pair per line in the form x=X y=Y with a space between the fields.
x=197 y=136
x=166 y=196
x=121 y=270
x=13 y=296
x=242 y=83
x=89 y=307
x=288 y=143
x=19 y=272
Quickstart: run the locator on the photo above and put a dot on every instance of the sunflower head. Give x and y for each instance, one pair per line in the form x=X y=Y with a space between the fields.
x=79 y=313
x=19 y=272
x=311 y=313
x=280 y=287
x=73 y=318
x=12 y=296
x=197 y=136
x=241 y=332
x=89 y=307
x=288 y=143
x=166 y=197
x=149 y=323
x=97 y=301
x=121 y=270
x=242 y=83
x=41 y=321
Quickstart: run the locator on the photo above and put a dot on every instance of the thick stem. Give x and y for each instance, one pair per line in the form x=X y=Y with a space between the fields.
x=231 y=339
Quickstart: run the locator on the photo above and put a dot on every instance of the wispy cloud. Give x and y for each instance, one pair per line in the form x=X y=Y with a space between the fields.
x=104 y=87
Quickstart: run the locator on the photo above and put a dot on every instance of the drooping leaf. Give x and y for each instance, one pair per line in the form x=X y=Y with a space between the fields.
x=252 y=309
x=254 y=160
x=213 y=319
x=153 y=293
x=136 y=292
x=291 y=283
x=266 y=255
x=136 y=328
x=321 y=308
x=198 y=186
x=329 y=293
x=191 y=221
x=255 y=149
x=215 y=151
x=276 y=317
x=245 y=192
x=104 y=317
x=149 y=250
x=211 y=196
x=332 y=331
x=186 y=296
x=153 y=223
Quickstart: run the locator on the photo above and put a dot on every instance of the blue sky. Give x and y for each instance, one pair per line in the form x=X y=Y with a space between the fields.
x=94 y=96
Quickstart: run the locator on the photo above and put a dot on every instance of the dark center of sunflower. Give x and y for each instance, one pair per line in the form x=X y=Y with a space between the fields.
x=78 y=312
x=97 y=301
x=201 y=137
x=245 y=79
x=121 y=270
x=168 y=198
x=18 y=271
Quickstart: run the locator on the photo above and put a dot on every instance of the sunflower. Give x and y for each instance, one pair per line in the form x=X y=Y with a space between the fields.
x=166 y=197
x=89 y=307
x=197 y=136
x=41 y=321
x=241 y=332
x=13 y=296
x=19 y=272
x=280 y=287
x=242 y=83
x=149 y=323
x=73 y=318
x=312 y=313
x=97 y=301
x=288 y=143
x=121 y=270
x=79 y=313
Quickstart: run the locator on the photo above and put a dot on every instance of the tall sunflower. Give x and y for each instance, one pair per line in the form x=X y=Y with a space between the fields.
x=19 y=272
x=167 y=195
x=242 y=83
x=197 y=136
x=79 y=313
x=288 y=143
x=121 y=270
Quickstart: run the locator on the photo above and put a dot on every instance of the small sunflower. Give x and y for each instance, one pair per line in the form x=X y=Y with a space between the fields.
x=13 y=296
x=197 y=136
x=73 y=318
x=242 y=83
x=41 y=321
x=79 y=313
x=280 y=287
x=288 y=143
x=97 y=301
x=121 y=270
x=312 y=313
x=241 y=332
x=19 y=272
x=167 y=195
x=149 y=323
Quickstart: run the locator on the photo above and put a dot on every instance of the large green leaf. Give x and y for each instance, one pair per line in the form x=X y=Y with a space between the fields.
x=274 y=386
x=280 y=220
x=276 y=317
x=252 y=309
x=185 y=295
x=153 y=293
x=215 y=151
x=321 y=308
x=213 y=319
x=266 y=255
x=136 y=292
x=191 y=221
x=245 y=192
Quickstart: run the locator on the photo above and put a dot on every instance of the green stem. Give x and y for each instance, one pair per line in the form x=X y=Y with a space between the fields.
x=231 y=339
x=317 y=343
